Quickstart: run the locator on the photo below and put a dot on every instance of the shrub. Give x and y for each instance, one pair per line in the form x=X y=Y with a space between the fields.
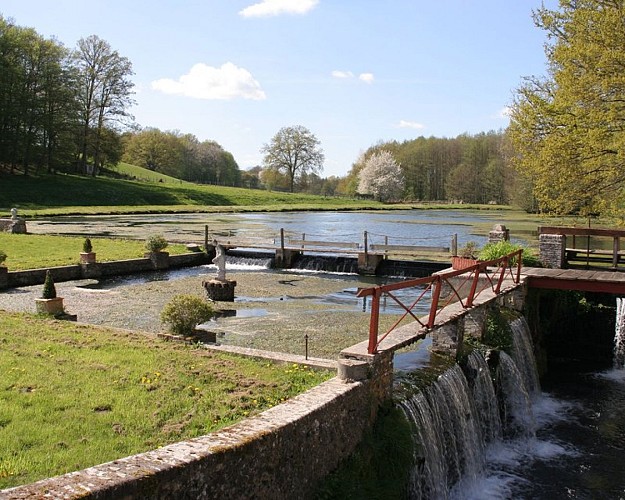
x=184 y=312
x=3 y=257
x=156 y=243
x=49 y=290
x=86 y=246
x=495 y=250
x=469 y=250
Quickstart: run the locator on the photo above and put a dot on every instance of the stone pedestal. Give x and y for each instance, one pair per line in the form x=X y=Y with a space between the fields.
x=220 y=290
x=87 y=257
x=499 y=233
x=49 y=306
x=552 y=248
x=160 y=260
x=4 y=277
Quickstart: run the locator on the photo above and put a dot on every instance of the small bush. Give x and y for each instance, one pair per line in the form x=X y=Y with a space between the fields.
x=3 y=257
x=49 y=290
x=86 y=246
x=184 y=312
x=156 y=243
x=498 y=249
x=469 y=250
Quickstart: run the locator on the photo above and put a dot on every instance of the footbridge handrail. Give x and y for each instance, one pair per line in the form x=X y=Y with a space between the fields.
x=493 y=273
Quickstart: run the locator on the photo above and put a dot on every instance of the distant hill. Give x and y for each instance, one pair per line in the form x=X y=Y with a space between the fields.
x=67 y=194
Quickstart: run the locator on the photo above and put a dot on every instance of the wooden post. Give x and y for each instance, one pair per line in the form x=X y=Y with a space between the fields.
x=373 y=322
x=282 y=240
x=206 y=238
x=386 y=251
x=615 y=251
x=365 y=245
x=454 y=244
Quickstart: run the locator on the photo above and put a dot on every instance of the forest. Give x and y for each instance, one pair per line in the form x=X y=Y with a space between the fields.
x=67 y=110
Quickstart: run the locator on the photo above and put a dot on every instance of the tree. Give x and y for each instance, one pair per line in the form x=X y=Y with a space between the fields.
x=381 y=177
x=293 y=151
x=568 y=128
x=104 y=92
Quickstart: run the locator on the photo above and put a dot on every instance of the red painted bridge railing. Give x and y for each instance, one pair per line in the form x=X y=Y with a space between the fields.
x=493 y=273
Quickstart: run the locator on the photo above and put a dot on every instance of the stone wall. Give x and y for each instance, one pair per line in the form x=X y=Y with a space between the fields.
x=280 y=454
x=99 y=269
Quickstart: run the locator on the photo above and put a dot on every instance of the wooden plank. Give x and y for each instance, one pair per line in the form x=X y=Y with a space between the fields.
x=407 y=248
x=312 y=243
x=580 y=231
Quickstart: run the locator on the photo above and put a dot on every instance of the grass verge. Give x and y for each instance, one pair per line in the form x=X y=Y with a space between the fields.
x=34 y=251
x=73 y=396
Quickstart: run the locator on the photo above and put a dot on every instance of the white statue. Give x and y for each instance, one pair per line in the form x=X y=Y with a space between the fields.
x=220 y=262
x=14 y=214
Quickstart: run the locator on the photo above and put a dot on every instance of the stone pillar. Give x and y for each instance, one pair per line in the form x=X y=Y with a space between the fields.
x=552 y=250
x=368 y=263
x=285 y=258
x=499 y=233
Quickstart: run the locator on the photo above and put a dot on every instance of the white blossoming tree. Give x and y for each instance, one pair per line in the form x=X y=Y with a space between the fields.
x=381 y=177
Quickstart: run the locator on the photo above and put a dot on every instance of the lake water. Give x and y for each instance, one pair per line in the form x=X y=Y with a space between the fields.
x=407 y=227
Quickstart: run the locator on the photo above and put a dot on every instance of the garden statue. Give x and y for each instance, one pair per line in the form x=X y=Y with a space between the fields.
x=220 y=262
x=14 y=214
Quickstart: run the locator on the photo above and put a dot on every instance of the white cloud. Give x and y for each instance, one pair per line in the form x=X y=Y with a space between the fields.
x=206 y=82
x=342 y=74
x=407 y=124
x=366 y=77
x=267 y=8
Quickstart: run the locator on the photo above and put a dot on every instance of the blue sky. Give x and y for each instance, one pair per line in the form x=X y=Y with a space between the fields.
x=354 y=72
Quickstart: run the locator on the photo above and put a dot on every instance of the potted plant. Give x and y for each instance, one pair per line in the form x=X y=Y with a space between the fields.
x=155 y=245
x=467 y=256
x=87 y=256
x=49 y=303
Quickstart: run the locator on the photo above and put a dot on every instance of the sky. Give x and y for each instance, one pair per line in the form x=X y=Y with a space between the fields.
x=353 y=72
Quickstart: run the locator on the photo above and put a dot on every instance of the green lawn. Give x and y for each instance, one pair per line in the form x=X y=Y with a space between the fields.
x=34 y=251
x=73 y=396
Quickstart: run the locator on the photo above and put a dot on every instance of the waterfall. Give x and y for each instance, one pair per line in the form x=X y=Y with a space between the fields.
x=619 y=335
x=523 y=354
x=461 y=413
x=447 y=427
x=484 y=396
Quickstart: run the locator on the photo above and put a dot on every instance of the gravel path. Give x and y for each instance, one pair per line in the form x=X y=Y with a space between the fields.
x=272 y=310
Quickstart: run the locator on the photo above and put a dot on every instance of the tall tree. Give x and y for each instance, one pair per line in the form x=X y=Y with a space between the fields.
x=568 y=128
x=105 y=92
x=381 y=177
x=293 y=151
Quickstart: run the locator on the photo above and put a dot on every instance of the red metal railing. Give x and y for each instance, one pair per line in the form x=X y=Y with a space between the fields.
x=493 y=279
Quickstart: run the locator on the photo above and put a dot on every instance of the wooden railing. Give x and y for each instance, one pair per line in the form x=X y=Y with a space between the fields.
x=479 y=277
x=582 y=244
x=313 y=243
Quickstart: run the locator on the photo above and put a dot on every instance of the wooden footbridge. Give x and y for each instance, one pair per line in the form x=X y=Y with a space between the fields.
x=370 y=250
x=576 y=279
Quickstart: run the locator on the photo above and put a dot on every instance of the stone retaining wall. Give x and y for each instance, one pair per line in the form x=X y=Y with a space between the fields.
x=31 y=277
x=280 y=454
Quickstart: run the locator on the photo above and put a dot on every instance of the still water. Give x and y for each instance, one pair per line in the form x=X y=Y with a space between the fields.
x=412 y=227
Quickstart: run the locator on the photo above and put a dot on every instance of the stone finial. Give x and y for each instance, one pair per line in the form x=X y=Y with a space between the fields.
x=14 y=214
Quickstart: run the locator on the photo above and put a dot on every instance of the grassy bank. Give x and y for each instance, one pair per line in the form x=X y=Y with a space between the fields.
x=69 y=194
x=34 y=251
x=74 y=396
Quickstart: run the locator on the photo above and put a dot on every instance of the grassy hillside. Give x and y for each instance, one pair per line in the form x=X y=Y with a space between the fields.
x=66 y=194
x=145 y=175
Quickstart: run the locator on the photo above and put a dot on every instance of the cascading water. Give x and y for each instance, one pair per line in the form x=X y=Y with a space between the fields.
x=523 y=354
x=619 y=335
x=463 y=412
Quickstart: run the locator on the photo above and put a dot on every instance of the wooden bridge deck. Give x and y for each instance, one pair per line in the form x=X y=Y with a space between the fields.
x=575 y=279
